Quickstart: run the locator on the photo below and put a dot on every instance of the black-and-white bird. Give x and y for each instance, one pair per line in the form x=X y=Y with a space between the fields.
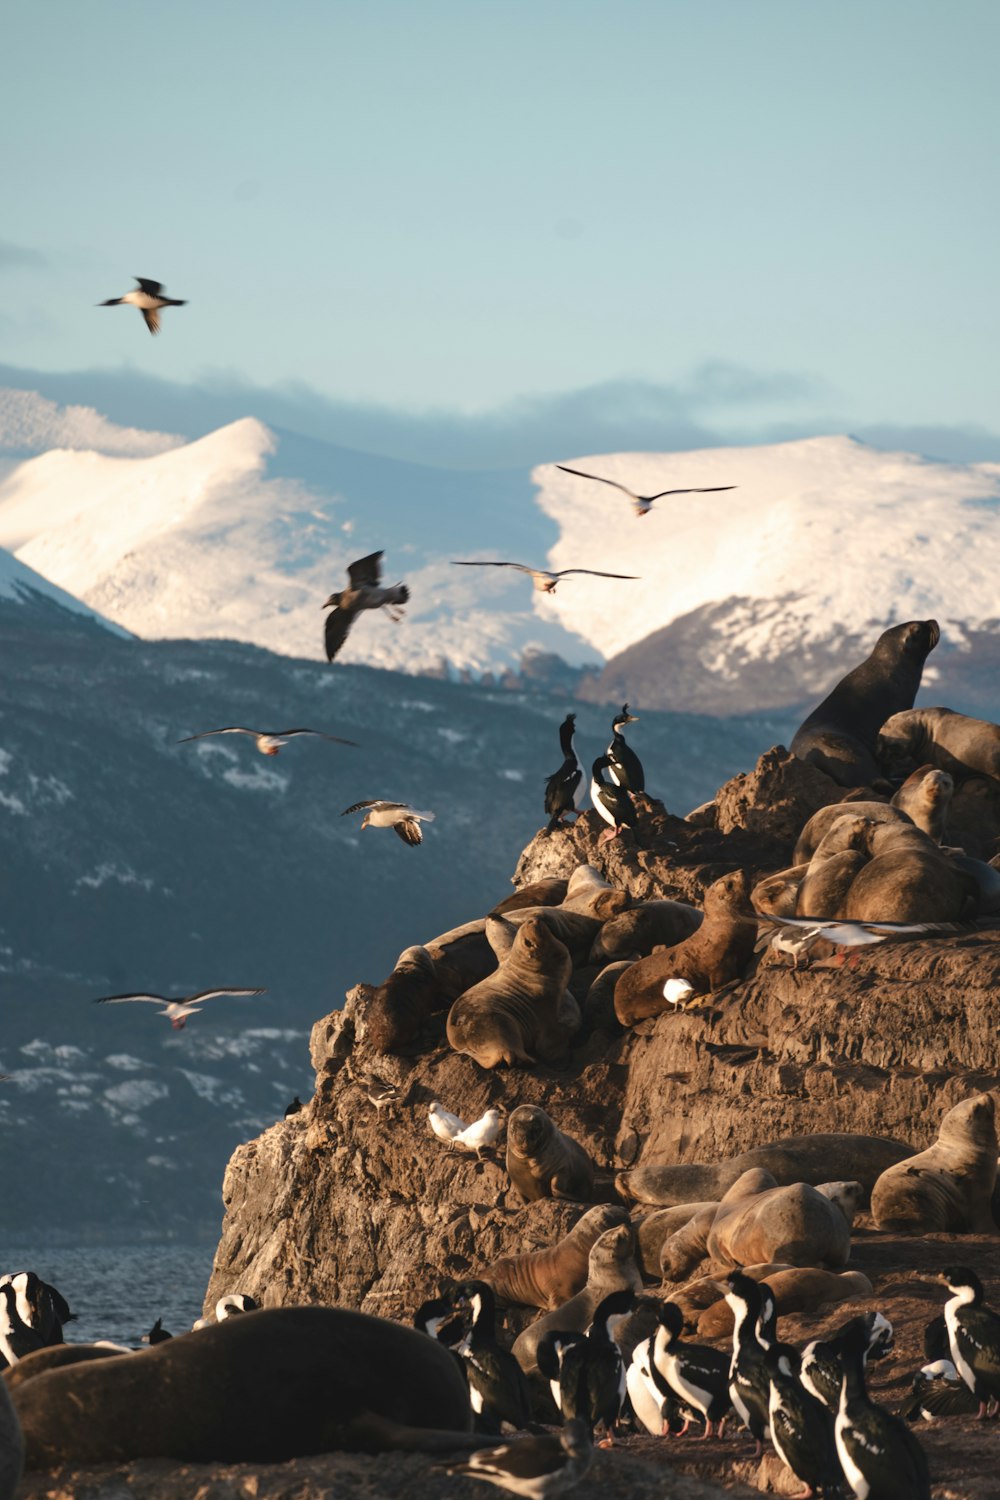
x=17 y=1337
x=642 y=504
x=847 y=934
x=497 y=1384
x=562 y=786
x=544 y=580
x=878 y=1453
x=821 y=1369
x=591 y=1374
x=801 y=1427
x=753 y=1309
x=612 y=802
x=157 y=1334
x=939 y=1391
x=401 y=816
x=177 y=1010
x=40 y=1305
x=364 y=591
x=148 y=297
x=624 y=766
x=695 y=1374
x=536 y=1467
x=294 y=1108
x=973 y=1336
x=269 y=741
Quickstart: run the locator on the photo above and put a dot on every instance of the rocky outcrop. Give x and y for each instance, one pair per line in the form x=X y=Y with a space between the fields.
x=356 y=1205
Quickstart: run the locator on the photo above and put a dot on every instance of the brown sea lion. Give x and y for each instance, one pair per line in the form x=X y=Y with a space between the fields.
x=11 y=1447
x=590 y=893
x=653 y=1230
x=549 y=892
x=687 y=1247
x=611 y=1268
x=908 y=879
x=798 y=1223
x=54 y=1357
x=953 y=742
x=425 y=979
x=796 y=1290
x=542 y=1161
x=599 y=1001
x=635 y=933
x=840 y=736
x=576 y=929
x=948 y=1187
x=777 y=895
x=548 y=1278
x=523 y=1011
x=281 y=1384
x=823 y=1157
x=823 y=893
x=925 y=796
x=715 y=955
x=821 y=822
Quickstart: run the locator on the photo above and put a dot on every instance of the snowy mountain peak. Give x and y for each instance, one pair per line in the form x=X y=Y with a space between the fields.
x=21 y=585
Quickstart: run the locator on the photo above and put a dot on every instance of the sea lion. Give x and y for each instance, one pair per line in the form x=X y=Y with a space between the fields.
x=948 y=1187
x=653 y=1230
x=281 y=1384
x=823 y=892
x=798 y=1223
x=840 y=736
x=589 y=893
x=11 y=1447
x=685 y=1249
x=796 y=1290
x=426 y=978
x=523 y=1011
x=819 y=825
x=953 y=742
x=548 y=1278
x=54 y=1357
x=907 y=879
x=575 y=929
x=777 y=895
x=543 y=1162
x=611 y=1268
x=636 y=932
x=548 y=892
x=925 y=797
x=793 y=1158
x=985 y=877
x=599 y=1001
x=715 y=955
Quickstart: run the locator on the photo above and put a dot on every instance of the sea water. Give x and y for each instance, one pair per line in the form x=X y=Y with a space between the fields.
x=118 y=1291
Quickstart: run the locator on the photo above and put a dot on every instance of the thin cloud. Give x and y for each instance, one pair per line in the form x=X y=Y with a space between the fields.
x=15 y=257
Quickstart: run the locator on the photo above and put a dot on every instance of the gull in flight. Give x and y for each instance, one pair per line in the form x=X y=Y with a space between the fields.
x=643 y=503
x=398 y=815
x=365 y=592
x=797 y=935
x=269 y=742
x=545 y=582
x=148 y=297
x=177 y=1010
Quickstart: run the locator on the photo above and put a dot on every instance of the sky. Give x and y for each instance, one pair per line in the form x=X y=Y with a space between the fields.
x=673 y=220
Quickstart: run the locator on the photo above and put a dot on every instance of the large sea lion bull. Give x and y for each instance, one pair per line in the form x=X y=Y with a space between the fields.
x=840 y=736
x=271 y=1386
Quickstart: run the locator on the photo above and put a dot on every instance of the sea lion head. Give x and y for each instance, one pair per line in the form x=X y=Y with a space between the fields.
x=538 y=947
x=895 y=748
x=971 y=1123
x=914 y=640
x=528 y=1129
x=614 y=1249
x=729 y=894
x=848 y=1196
x=925 y=796
x=852 y=831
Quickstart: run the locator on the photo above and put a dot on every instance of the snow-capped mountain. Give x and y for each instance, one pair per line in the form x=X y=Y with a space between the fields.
x=782 y=580
x=22 y=585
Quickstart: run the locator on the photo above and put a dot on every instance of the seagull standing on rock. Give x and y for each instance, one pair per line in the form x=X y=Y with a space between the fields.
x=364 y=592
x=444 y=1124
x=148 y=297
x=481 y=1133
x=398 y=815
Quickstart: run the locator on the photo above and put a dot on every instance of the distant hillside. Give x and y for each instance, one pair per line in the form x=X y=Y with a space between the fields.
x=129 y=861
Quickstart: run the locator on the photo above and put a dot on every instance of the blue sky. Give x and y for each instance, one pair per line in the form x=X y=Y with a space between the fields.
x=775 y=212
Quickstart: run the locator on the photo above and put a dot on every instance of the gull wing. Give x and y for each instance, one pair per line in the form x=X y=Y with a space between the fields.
x=289 y=734
x=338 y=623
x=366 y=570
x=120 y=999
x=521 y=568
x=408 y=830
x=613 y=482
x=357 y=806
x=710 y=489
x=152 y=316
x=596 y=573
x=154 y=288
x=230 y=729
x=211 y=994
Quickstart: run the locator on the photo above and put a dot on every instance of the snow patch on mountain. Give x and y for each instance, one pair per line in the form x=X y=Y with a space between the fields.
x=22 y=585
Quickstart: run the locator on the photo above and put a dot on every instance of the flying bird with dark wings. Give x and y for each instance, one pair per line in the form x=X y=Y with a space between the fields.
x=399 y=815
x=365 y=592
x=545 y=582
x=177 y=1010
x=148 y=297
x=642 y=504
x=269 y=741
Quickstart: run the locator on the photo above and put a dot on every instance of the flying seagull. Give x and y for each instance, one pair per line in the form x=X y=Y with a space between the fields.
x=269 y=742
x=148 y=298
x=643 y=503
x=177 y=1010
x=797 y=935
x=398 y=815
x=364 y=592
x=544 y=581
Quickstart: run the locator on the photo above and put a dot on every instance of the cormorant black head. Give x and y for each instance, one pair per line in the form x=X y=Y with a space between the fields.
x=614 y=1305
x=743 y=1287
x=961 y=1278
x=624 y=718
x=672 y=1319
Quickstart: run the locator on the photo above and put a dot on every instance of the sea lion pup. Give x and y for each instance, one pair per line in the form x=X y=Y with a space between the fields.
x=575 y=929
x=548 y=1278
x=792 y=1158
x=523 y=1011
x=287 y=1382
x=778 y=894
x=611 y=1268
x=953 y=742
x=713 y=956
x=840 y=736
x=948 y=1187
x=925 y=796
x=635 y=933
x=11 y=1447
x=542 y=1162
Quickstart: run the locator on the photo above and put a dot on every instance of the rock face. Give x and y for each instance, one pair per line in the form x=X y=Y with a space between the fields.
x=360 y=1207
